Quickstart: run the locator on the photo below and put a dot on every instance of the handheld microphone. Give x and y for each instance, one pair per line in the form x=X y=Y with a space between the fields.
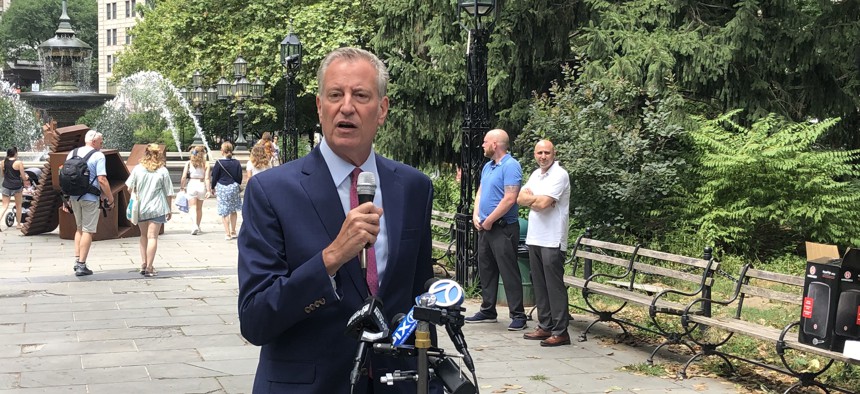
x=365 y=187
x=368 y=325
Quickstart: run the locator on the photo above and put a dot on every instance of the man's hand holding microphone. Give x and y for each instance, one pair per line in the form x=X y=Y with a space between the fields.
x=359 y=229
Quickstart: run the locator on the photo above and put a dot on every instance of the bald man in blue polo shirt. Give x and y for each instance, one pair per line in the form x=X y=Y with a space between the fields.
x=495 y=218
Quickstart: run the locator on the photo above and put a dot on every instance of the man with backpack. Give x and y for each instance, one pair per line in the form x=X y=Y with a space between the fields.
x=85 y=186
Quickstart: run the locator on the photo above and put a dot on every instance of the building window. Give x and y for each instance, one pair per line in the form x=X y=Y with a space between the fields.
x=127 y=9
x=114 y=10
x=107 y=37
x=127 y=36
x=109 y=63
x=133 y=7
x=114 y=37
x=107 y=10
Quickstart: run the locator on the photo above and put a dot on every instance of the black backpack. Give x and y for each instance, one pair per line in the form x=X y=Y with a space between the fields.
x=75 y=176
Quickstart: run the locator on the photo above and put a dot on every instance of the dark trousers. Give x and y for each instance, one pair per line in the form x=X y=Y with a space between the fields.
x=547 y=269
x=497 y=254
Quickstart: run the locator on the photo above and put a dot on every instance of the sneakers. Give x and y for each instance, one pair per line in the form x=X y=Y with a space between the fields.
x=517 y=325
x=480 y=317
x=82 y=270
x=196 y=231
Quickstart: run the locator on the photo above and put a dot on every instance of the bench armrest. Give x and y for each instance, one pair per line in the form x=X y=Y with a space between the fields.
x=652 y=309
x=780 y=345
x=684 y=317
x=599 y=274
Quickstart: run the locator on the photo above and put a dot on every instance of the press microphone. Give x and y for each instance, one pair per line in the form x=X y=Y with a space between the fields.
x=365 y=187
x=368 y=325
x=448 y=294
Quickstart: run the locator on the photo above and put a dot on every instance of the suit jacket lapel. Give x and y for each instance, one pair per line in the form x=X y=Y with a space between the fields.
x=322 y=193
x=392 y=192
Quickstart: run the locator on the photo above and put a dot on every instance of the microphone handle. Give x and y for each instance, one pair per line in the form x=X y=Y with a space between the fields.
x=459 y=341
x=363 y=198
x=355 y=375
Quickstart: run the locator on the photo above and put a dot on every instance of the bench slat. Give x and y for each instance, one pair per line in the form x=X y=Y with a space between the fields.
x=607 y=245
x=771 y=294
x=603 y=258
x=775 y=277
x=638 y=298
x=675 y=258
x=441 y=214
x=668 y=272
x=767 y=334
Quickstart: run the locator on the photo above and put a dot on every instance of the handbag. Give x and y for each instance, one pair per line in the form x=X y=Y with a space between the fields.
x=132 y=213
x=182 y=201
x=230 y=175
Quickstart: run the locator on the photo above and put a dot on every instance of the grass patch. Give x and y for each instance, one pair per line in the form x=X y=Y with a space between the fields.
x=645 y=369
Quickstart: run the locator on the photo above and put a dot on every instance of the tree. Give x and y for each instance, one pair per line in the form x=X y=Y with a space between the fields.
x=208 y=35
x=793 y=58
x=770 y=186
x=27 y=23
x=425 y=48
x=622 y=146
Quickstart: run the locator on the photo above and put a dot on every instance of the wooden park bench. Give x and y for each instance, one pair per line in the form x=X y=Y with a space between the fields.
x=731 y=317
x=443 y=228
x=663 y=283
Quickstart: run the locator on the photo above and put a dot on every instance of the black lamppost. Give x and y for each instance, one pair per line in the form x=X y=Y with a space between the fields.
x=291 y=59
x=237 y=92
x=476 y=123
x=198 y=96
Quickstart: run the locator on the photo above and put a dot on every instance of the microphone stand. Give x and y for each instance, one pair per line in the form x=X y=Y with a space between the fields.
x=422 y=343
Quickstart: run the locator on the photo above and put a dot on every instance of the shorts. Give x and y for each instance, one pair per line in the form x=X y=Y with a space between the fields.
x=86 y=214
x=11 y=192
x=195 y=189
x=158 y=219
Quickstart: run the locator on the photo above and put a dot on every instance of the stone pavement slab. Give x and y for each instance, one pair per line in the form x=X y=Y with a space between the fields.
x=119 y=332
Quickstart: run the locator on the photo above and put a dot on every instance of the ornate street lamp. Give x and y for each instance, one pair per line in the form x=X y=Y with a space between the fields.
x=236 y=93
x=291 y=59
x=197 y=96
x=476 y=122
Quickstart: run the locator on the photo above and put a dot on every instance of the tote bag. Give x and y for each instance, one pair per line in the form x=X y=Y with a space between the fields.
x=133 y=210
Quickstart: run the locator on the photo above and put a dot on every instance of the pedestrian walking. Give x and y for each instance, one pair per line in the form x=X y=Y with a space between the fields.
x=151 y=182
x=226 y=181
x=195 y=183
x=14 y=181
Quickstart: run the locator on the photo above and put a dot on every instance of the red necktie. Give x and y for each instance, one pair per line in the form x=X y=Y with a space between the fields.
x=372 y=277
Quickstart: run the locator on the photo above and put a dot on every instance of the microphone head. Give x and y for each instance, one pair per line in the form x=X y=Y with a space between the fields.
x=369 y=318
x=447 y=292
x=430 y=282
x=366 y=184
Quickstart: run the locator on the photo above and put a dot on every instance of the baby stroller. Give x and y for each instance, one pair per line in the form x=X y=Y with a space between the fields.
x=33 y=175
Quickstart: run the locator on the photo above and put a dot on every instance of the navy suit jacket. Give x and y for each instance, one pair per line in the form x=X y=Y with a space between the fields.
x=286 y=301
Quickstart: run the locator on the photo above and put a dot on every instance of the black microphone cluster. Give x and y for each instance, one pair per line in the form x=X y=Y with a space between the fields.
x=440 y=305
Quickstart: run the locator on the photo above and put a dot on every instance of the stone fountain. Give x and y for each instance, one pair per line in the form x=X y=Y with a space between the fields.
x=66 y=95
x=66 y=62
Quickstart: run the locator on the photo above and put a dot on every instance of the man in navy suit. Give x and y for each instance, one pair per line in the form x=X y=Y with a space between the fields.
x=299 y=275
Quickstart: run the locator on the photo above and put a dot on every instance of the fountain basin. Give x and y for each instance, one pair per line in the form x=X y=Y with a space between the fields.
x=65 y=107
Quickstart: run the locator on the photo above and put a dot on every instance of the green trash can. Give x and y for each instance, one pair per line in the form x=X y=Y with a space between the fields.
x=525 y=271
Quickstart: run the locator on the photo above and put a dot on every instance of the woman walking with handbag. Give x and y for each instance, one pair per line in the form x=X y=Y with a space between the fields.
x=226 y=181
x=150 y=182
x=194 y=181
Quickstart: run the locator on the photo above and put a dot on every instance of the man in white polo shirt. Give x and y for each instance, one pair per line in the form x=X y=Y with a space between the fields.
x=547 y=195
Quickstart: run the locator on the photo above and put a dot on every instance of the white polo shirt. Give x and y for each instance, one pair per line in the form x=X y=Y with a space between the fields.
x=548 y=228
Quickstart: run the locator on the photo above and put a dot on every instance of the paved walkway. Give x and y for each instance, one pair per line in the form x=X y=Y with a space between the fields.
x=117 y=332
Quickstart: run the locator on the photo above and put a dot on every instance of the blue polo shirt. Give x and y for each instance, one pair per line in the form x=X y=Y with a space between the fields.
x=494 y=178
